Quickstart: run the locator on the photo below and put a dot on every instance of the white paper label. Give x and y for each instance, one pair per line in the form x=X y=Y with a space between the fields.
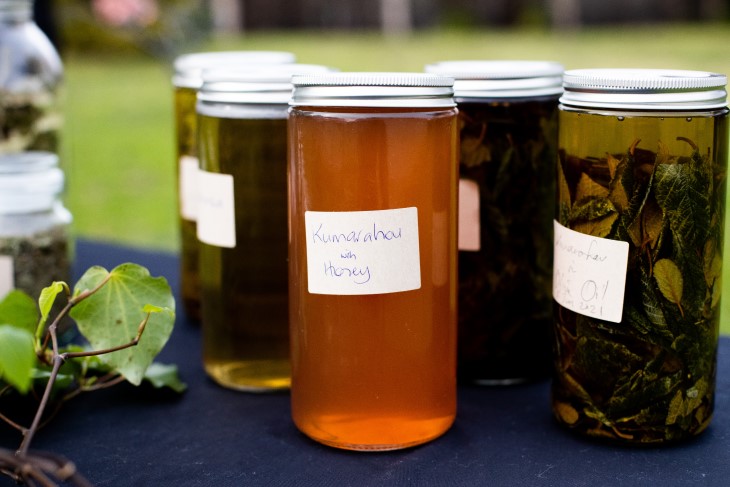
x=363 y=252
x=7 y=281
x=469 y=229
x=216 y=212
x=189 y=187
x=589 y=273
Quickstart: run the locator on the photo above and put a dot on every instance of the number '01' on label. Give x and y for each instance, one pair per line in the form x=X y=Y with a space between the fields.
x=589 y=273
x=362 y=252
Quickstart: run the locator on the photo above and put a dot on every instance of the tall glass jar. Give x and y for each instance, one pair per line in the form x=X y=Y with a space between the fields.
x=242 y=225
x=30 y=82
x=638 y=252
x=187 y=81
x=508 y=112
x=372 y=258
x=35 y=241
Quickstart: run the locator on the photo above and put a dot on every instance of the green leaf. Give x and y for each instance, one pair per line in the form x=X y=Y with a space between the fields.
x=19 y=309
x=669 y=279
x=17 y=357
x=45 y=303
x=164 y=375
x=111 y=316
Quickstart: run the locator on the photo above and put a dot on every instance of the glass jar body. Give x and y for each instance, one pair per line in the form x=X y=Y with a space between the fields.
x=508 y=149
x=244 y=288
x=30 y=85
x=656 y=182
x=372 y=370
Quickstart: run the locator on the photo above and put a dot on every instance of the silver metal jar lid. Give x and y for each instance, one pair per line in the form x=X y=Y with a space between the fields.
x=253 y=84
x=29 y=181
x=502 y=79
x=644 y=89
x=189 y=67
x=377 y=90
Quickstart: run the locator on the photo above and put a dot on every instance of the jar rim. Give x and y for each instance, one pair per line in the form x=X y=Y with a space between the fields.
x=652 y=89
x=373 y=89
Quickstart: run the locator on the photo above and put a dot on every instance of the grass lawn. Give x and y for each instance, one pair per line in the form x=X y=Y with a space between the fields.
x=119 y=140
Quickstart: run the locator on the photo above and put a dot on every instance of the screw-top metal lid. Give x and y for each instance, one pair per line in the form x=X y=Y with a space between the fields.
x=373 y=90
x=644 y=89
x=29 y=181
x=501 y=79
x=257 y=84
x=189 y=67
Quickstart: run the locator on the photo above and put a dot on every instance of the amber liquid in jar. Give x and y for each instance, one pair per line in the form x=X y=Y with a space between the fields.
x=186 y=135
x=378 y=371
x=244 y=289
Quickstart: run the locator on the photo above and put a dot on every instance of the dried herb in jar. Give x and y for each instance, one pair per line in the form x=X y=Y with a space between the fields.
x=651 y=377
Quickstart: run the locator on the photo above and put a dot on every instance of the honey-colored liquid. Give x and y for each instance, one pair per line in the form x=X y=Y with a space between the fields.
x=244 y=289
x=186 y=135
x=375 y=372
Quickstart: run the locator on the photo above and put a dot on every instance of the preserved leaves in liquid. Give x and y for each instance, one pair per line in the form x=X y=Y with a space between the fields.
x=245 y=289
x=375 y=372
x=505 y=304
x=651 y=377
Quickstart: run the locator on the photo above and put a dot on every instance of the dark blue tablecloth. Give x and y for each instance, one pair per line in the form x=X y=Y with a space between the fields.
x=210 y=436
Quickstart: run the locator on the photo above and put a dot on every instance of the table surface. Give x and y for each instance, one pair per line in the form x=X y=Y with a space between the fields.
x=211 y=436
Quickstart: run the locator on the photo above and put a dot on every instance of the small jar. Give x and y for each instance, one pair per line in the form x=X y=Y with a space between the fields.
x=30 y=82
x=242 y=225
x=508 y=112
x=34 y=225
x=372 y=258
x=638 y=252
x=187 y=81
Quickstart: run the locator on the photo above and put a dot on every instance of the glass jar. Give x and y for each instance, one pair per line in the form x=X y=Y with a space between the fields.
x=372 y=258
x=508 y=113
x=638 y=252
x=187 y=81
x=34 y=225
x=242 y=225
x=30 y=82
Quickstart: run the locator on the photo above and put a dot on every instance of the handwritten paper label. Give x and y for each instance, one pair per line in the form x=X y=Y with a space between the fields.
x=589 y=273
x=363 y=252
x=216 y=212
x=469 y=230
x=189 y=187
x=7 y=281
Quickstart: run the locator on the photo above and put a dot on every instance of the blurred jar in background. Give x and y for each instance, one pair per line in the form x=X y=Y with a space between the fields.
x=187 y=81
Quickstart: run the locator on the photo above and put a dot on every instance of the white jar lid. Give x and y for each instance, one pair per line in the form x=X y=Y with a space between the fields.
x=253 y=84
x=29 y=182
x=501 y=79
x=377 y=90
x=189 y=67
x=644 y=89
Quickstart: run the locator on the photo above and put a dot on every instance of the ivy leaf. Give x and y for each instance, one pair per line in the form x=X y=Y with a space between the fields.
x=598 y=228
x=669 y=279
x=17 y=357
x=164 y=375
x=112 y=315
x=45 y=303
x=588 y=188
x=19 y=309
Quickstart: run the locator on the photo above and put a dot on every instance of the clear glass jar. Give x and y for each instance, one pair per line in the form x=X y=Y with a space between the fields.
x=35 y=245
x=638 y=252
x=30 y=82
x=508 y=118
x=187 y=80
x=242 y=225
x=372 y=258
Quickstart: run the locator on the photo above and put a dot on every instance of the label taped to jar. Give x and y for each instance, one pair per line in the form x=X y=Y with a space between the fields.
x=469 y=219
x=216 y=211
x=189 y=168
x=7 y=279
x=589 y=273
x=363 y=252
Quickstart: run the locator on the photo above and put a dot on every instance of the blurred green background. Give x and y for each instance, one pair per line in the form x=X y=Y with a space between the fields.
x=118 y=141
